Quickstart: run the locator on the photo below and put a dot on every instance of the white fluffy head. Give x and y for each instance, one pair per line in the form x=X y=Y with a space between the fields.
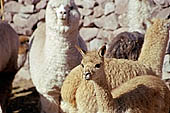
x=62 y=16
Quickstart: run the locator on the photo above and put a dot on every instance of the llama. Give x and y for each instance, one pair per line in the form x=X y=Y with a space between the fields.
x=74 y=88
x=9 y=44
x=52 y=52
x=142 y=94
x=126 y=45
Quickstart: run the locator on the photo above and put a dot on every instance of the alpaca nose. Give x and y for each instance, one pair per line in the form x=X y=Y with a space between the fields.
x=87 y=75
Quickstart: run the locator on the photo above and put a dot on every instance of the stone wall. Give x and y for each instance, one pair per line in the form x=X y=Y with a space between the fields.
x=101 y=20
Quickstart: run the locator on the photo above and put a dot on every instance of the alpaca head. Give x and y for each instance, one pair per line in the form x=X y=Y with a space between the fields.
x=23 y=50
x=161 y=24
x=92 y=63
x=23 y=44
x=62 y=16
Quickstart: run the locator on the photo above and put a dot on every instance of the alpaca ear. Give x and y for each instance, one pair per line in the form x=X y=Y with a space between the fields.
x=102 y=51
x=151 y=21
x=82 y=52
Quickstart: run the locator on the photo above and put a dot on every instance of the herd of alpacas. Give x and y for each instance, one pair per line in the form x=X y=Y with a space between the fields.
x=122 y=77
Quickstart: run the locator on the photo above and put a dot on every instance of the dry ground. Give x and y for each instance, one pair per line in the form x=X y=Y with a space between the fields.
x=24 y=98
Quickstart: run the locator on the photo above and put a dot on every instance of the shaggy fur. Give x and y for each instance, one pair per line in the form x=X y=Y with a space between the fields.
x=142 y=94
x=80 y=94
x=155 y=44
x=53 y=53
x=9 y=44
x=126 y=45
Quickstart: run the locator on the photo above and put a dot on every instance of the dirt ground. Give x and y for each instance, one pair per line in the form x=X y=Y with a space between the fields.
x=24 y=98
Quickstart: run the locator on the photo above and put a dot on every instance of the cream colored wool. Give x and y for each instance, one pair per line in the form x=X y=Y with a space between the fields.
x=142 y=94
x=154 y=46
x=80 y=94
x=53 y=53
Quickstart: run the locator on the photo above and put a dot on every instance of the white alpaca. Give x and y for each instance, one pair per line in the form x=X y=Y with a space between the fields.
x=53 y=53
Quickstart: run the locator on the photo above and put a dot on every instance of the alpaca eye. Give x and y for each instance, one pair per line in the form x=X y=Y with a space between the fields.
x=97 y=66
x=82 y=65
x=71 y=7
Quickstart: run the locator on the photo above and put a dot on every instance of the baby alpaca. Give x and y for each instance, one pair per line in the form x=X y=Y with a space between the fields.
x=53 y=53
x=117 y=72
x=142 y=94
x=79 y=94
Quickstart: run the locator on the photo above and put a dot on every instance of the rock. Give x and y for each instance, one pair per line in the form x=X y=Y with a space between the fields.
x=109 y=8
x=8 y=17
x=100 y=1
x=103 y=2
x=12 y=6
x=41 y=5
x=155 y=10
x=88 y=20
x=104 y=34
x=162 y=3
x=33 y=19
x=118 y=31
x=20 y=30
x=21 y=1
x=121 y=6
x=30 y=2
x=85 y=12
x=27 y=9
x=41 y=14
x=79 y=2
x=107 y=22
x=88 y=33
x=15 y=7
x=166 y=67
x=20 y=19
x=164 y=13
x=123 y=20
x=96 y=43
x=98 y=11
x=88 y=4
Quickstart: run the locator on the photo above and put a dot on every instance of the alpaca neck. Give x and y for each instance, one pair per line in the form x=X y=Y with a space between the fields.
x=154 y=48
x=103 y=96
x=60 y=45
x=138 y=12
x=60 y=54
